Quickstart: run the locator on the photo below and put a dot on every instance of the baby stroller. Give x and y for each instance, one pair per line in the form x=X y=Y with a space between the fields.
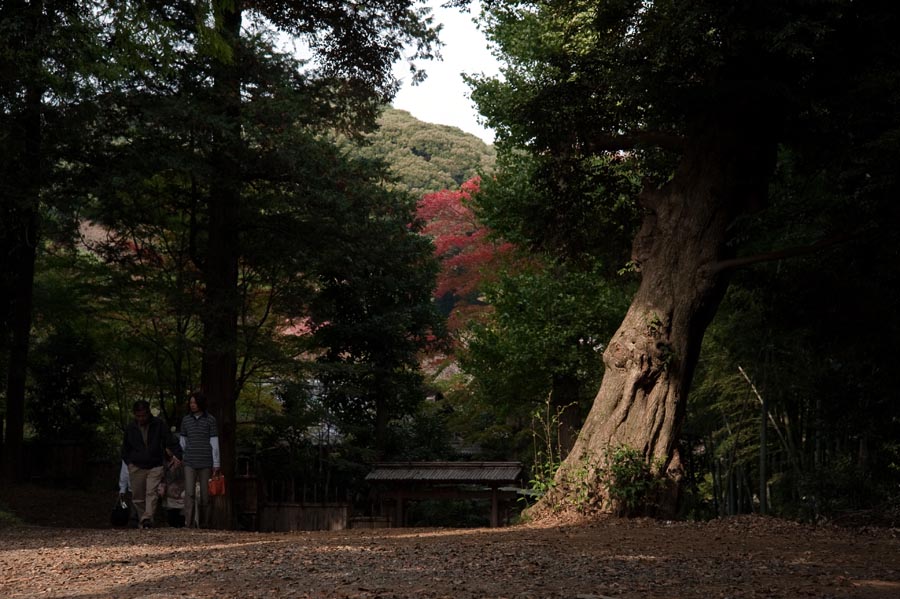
x=172 y=493
x=173 y=496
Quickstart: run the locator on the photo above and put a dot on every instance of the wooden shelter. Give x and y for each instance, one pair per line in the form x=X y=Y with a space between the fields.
x=397 y=482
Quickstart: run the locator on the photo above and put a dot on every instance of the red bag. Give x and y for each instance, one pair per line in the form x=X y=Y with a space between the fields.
x=216 y=485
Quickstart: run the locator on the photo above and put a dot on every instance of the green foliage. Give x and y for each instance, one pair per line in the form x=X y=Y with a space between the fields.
x=423 y=435
x=631 y=481
x=487 y=433
x=423 y=157
x=579 y=210
x=373 y=312
x=297 y=446
x=547 y=454
x=301 y=441
x=159 y=157
x=544 y=335
x=325 y=258
x=800 y=329
x=630 y=484
x=581 y=480
x=543 y=475
x=61 y=403
x=842 y=489
x=53 y=61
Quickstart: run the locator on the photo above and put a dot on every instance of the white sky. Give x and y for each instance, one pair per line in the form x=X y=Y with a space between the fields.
x=443 y=97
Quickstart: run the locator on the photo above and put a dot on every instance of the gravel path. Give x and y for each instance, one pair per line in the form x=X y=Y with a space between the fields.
x=737 y=557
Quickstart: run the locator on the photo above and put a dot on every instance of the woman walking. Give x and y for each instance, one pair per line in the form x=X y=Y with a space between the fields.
x=200 y=449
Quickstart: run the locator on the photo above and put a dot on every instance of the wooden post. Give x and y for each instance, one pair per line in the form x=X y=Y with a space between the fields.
x=495 y=508
x=398 y=510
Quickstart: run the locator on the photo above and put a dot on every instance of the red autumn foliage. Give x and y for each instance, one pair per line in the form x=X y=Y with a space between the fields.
x=467 y=253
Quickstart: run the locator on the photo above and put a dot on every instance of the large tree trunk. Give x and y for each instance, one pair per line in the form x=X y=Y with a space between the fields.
x=650 y=360
x=220 y=318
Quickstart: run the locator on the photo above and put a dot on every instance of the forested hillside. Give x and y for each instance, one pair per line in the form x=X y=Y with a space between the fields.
x=427 y=157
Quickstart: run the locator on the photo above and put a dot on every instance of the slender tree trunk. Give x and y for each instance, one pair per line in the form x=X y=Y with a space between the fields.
x=650 y=361
x=819 y=444
x=23 y=259
x=220 y=318
x=382 y=417
x=717 y=485
x=385 y=403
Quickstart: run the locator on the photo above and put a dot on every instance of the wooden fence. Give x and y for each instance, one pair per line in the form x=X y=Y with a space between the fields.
x=287 y=517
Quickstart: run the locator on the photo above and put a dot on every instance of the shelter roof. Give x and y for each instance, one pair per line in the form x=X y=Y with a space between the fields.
x=447 y=472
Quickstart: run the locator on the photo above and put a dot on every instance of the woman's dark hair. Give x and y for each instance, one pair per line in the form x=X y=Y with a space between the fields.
x=199 y=398
x=141 y=405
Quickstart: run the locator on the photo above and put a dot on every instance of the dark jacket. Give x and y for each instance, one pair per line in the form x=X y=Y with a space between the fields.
x=153 y=453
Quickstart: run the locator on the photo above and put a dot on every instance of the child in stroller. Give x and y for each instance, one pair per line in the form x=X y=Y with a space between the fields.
x=172 y=493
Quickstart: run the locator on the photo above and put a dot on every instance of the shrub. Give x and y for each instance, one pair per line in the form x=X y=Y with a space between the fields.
x=631 y=481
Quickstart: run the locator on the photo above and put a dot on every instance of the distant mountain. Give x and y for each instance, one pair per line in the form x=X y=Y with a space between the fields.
x=428 y=157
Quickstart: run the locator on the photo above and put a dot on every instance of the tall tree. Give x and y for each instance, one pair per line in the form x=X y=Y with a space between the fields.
x=374 y=315
x=700 y=94
x=356 y=46
x=48 y=65
x=23 y=88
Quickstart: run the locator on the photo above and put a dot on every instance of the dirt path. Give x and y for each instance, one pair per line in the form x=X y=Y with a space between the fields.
x=741 y=557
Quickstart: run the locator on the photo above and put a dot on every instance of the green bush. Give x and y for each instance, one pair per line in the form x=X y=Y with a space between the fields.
x=632 y=484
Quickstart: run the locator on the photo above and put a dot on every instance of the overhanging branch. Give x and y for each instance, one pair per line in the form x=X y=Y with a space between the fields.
x=634 y=141
x=791 y=252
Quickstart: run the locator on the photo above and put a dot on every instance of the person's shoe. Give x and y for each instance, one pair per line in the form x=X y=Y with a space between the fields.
x=146 y=524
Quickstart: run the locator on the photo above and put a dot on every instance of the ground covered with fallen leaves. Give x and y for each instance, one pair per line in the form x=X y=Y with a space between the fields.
x=748 y=556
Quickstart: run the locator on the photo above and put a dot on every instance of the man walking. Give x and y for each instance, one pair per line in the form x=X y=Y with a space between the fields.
x=146 y=446
x=200 y=445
